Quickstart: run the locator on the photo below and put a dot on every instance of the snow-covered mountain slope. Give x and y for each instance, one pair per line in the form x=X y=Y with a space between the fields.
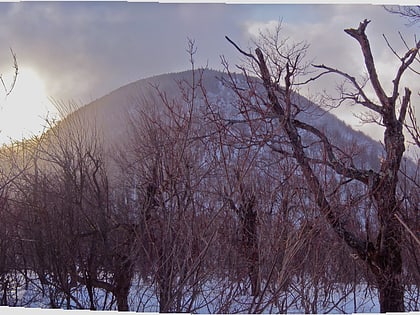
x=111 y=114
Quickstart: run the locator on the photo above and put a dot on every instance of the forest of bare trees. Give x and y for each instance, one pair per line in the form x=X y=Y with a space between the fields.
x=220 y=208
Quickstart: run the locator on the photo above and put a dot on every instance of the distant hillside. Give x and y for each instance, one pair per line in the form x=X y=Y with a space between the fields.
x=111 y=112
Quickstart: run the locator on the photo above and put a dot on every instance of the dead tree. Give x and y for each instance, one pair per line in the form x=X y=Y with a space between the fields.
x=384 y=256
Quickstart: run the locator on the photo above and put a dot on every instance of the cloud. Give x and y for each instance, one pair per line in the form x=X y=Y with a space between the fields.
x=87 y=46
x=84 y=50
x=91 y=48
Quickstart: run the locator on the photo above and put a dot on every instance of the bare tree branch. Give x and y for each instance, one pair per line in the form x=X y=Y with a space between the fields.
x=411 y=13
x=240 y=50
x=406 y=61
x=360 y=35
x=365 y=100
x=334 y=162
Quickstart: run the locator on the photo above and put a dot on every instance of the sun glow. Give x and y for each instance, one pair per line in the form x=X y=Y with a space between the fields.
x=23 y=111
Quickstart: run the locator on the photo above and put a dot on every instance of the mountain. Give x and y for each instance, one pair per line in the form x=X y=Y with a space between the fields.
x=111 y=114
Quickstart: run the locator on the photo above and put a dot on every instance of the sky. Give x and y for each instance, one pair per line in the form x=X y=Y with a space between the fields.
x=80 y=51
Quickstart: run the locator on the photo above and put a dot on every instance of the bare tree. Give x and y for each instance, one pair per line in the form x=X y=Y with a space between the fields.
x=384 y=255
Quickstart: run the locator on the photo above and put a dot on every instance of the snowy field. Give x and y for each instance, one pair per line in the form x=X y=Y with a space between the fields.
x=215 y=296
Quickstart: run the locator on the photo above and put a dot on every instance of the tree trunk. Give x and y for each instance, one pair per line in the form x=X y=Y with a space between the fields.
x=388 y=246
x=122 y=300
x=164 y=294
x=391 y=293
x=3 y=301
x=165 y=281
x=89 y=288
x=122 y=287
x=387 y=266
x=254 y=274
x=123 y=274
x=248 y=217
x=251 y=247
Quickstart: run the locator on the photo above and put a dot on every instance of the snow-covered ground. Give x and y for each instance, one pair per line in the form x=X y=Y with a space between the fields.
x=216 y=296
